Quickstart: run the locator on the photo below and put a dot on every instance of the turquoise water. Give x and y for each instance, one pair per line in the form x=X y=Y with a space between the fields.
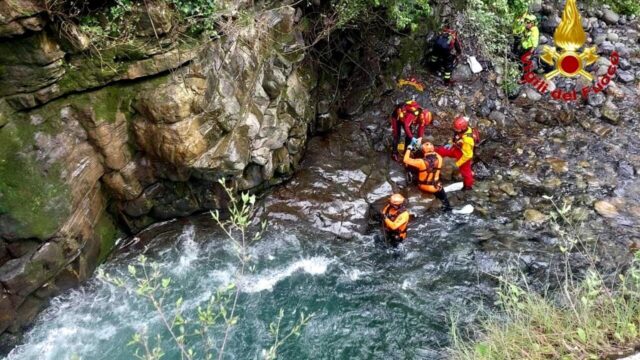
x=368 y=301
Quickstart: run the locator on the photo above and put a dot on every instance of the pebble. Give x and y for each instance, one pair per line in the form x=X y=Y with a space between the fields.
x=626 y=77
x=605 y=209
x=508 y=189
x=534 y=216
x=611 y=113
x=610 y=17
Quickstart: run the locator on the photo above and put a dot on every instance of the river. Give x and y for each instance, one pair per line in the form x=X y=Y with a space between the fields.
x=320 y=254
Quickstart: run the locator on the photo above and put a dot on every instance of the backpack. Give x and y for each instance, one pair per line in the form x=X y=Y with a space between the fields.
x=444 y=41
x=475 y=134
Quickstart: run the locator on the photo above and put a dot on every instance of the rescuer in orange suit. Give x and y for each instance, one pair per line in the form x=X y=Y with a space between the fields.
x=429 y=167
x=461 y=148
x=395 y=219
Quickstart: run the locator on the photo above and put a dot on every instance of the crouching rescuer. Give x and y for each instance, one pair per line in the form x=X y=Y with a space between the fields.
x=428 y=168
x=461 y=148
x=395 y=219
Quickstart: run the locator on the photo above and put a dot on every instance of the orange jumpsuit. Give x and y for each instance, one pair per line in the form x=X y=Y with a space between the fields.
x=395 y=222
x=429 y=175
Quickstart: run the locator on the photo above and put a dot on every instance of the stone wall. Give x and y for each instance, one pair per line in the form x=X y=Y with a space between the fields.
x=91 y=146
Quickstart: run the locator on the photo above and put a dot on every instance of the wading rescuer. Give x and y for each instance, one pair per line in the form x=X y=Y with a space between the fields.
x=395 y=219
x=411 y=117
x=461 y=148
x=429 y=167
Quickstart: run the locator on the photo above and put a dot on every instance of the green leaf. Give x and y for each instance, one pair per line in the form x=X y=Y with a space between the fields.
x=482 y=349
x=132 y=270
x=582 y=335
x=165 y=282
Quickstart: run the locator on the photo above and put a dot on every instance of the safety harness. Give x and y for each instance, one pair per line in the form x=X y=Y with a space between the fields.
x=433 y=167
x=401 y=232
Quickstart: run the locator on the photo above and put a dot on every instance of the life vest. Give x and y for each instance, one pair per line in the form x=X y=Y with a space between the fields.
x=433 y=165
x=393 y=214
x=472 y=132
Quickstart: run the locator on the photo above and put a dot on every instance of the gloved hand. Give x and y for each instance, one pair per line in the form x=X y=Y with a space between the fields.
x=414 y=142
x=448 y=146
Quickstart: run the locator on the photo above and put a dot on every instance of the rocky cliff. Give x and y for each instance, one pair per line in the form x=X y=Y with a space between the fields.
x=94 y=143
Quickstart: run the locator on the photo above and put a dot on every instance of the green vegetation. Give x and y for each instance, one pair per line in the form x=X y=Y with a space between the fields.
x=107 y=233
x=491 y=24
x=627 y=7
x=183 y=328
x=403 y=14
x=585 y=319
x=33 y=201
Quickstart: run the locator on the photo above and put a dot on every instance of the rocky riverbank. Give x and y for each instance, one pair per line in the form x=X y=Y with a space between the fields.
x=95 y=146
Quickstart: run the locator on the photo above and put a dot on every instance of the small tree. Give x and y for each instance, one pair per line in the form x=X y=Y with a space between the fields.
x=147 y=281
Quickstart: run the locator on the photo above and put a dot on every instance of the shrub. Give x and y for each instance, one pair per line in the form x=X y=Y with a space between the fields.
x=588 y=319
x=401 y=13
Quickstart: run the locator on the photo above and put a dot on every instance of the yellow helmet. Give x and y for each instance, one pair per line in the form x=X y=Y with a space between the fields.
x=427 y=148
x=396 y=199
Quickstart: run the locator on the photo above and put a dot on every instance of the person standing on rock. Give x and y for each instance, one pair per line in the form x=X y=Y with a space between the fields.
x=411 y=117
x=445 y=50
x=395 y=219
x=526 y=33
x=461 y=148
x=429 y=167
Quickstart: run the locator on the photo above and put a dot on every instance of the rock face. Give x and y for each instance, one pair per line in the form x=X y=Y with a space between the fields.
x=237 y=108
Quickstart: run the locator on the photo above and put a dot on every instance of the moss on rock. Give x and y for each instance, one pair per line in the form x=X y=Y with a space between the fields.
x=32 y=201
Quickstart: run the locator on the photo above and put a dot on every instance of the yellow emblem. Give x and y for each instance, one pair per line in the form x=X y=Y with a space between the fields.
x=570 y=37
x=411 y=82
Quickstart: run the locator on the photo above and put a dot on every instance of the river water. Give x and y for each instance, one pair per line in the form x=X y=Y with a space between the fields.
x=321 y=254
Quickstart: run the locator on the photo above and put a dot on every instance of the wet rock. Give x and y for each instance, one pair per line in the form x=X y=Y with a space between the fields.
x=596 y=99
x=625 y=170
x=550 y=23
x=532 y=94
x=534 y=216
x=626 y=76
x=599 y=39
x=611 y=113
x=606 y=47
x=7 y=311
x=508 y=189
x=178 y=143
x=26 y=313
x=559 y=166
x=613 y=37
x=23 y=247
x=462 y=73
x=154 y=18
x=22 y=276
x=605 y=209
x=499 y=118
x=610 y=17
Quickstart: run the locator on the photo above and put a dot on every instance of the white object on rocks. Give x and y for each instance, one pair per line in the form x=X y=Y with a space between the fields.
x=453 y=187
x=465 y=210
x=474 y=64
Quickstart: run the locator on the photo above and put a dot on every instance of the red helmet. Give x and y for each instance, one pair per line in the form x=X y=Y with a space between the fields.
x=461 y=123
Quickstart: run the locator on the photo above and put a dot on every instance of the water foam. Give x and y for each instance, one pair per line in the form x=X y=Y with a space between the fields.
x=268 y=279
x=189 y=250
